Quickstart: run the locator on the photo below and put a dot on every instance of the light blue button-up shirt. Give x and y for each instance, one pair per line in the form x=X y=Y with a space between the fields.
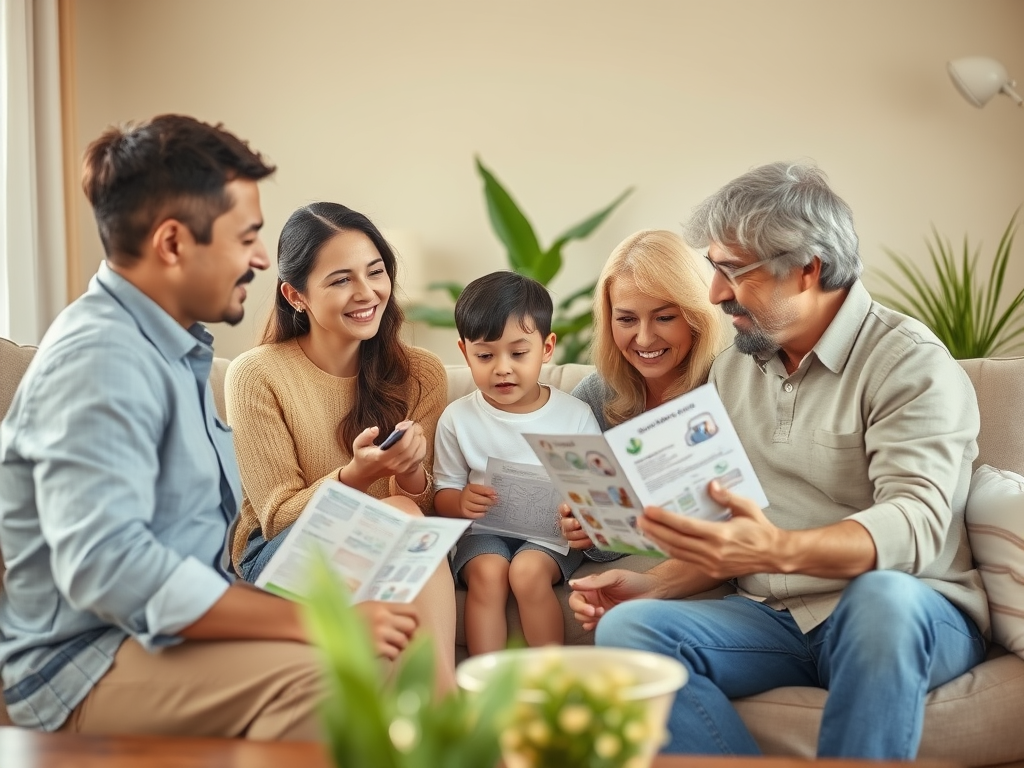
x=117 y=485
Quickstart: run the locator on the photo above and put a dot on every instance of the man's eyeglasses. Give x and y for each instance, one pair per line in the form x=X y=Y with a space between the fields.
x=731 y=273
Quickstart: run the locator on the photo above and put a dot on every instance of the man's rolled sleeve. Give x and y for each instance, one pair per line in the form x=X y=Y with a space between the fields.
x=191 y=591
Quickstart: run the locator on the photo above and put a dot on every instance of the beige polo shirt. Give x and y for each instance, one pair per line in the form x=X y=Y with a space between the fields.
x=879 y=424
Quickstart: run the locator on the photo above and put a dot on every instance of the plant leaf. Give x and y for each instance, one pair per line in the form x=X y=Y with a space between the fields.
x=586 y=292
x=509 y=223
x=437 y=317
x=454 y=290
x=353 y=711
x=961 y=308
x=547 y=267
x=588 y=225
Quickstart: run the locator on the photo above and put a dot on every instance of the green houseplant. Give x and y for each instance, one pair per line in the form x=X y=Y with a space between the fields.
x=398 y=723
x=966 y=312
x=572 y=322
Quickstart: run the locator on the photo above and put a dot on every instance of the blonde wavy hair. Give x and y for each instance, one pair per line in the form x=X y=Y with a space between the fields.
x=661 y=265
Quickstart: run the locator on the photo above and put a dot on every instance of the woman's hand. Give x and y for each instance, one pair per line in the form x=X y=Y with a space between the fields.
x=572 y=530
x=391 y=625
x=592 y=596
x=404 y=459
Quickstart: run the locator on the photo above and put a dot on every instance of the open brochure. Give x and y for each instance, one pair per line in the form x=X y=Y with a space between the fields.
x=665 y=457
x=527 y=506
x=380 y=552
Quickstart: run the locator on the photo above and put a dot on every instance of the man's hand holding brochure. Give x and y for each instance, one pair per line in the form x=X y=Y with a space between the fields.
x=664 y=457
x=381 y=553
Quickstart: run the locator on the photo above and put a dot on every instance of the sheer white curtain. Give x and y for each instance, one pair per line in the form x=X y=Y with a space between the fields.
x=33 y=261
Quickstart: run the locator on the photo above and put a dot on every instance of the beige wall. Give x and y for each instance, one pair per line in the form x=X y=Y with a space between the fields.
x=382 y=106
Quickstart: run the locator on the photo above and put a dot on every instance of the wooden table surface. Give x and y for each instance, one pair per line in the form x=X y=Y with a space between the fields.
x=21 y=748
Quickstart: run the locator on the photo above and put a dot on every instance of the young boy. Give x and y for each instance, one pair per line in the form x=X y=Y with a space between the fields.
x=504 y=324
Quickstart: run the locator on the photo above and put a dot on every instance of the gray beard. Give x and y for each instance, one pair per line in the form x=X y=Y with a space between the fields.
x=757 y=343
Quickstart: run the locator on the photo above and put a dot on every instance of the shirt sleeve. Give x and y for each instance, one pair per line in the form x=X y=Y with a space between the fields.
x=451 y=470
x=95 y=472
x=922 y=427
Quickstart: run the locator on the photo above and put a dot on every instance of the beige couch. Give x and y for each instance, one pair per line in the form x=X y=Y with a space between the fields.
x=973 y=720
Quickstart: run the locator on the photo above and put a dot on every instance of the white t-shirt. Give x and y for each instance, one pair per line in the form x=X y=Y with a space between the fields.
x=470 y=430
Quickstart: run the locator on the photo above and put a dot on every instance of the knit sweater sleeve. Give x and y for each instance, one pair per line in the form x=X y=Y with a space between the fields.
x=593 y=391
x=428 y=393
x=275 y=485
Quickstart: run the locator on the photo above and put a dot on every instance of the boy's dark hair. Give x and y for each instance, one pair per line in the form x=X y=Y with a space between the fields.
x=487 y=303
x=172 y=166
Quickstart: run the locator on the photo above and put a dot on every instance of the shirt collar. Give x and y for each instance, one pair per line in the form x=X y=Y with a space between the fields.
x=836 y=343
x=162 y=330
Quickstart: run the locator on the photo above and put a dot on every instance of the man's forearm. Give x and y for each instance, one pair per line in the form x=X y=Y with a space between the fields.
x=678 y=579
x=247 y=613
x=841 y=551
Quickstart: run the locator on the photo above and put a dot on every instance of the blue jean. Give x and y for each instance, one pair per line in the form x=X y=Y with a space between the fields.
x=258 y=552
x=890 y=640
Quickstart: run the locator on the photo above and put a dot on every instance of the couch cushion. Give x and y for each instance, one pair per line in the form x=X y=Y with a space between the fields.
x=972 y=720
x=14 y=360
x=999 y=383
x=995 y=525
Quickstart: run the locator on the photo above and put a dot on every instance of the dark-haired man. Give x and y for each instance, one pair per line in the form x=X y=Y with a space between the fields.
x=862 y=429
x=120 y=480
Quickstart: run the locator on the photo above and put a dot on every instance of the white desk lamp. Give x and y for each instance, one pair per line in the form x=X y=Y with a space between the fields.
x=979 y=78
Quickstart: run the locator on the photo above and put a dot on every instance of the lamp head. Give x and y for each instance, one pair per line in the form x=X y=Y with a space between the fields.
x=979 y=78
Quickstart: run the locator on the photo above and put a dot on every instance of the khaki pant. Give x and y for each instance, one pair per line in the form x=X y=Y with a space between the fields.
x=255 y=689
x=258 y=689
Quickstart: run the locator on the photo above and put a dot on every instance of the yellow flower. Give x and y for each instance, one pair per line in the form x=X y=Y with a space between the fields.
x=574 y=718
x=635 y=731
x=538 y=732
x=607 y=746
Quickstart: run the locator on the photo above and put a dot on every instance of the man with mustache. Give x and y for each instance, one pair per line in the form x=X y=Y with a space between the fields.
x=119 y=480
x=862 y=429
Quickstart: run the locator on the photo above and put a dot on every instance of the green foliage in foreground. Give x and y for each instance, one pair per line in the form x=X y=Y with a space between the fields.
x=398 y=723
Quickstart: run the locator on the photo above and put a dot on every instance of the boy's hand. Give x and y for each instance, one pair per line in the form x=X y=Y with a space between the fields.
x=572 y=531
x=475 y=500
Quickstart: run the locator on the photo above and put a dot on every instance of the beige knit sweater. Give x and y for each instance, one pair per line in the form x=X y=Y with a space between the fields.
x=285 y=413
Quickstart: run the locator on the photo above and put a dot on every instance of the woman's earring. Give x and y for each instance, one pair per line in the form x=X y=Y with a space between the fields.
x=300 y=310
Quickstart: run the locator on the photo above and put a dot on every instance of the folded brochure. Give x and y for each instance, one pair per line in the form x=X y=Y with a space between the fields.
x=380 y=552
x=665 y=457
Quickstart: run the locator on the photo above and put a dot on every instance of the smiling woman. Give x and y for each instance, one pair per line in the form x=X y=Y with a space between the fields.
x=655 y=330
x=655 y=336
x=317 y=397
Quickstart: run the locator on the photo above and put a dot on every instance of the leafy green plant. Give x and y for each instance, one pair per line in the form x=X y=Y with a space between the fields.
x=966 y=313
x=572 y=324
x=399 y=723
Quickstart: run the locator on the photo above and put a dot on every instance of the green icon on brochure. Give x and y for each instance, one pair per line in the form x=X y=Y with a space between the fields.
x=633 y=446
x=721 y=466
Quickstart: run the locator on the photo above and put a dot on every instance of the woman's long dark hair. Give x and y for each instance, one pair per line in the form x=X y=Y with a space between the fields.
x=382 y=397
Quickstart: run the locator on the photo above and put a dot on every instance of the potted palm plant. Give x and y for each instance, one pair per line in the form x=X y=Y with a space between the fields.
x=963 y=308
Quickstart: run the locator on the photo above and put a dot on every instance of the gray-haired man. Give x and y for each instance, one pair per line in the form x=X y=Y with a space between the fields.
x=862 y=429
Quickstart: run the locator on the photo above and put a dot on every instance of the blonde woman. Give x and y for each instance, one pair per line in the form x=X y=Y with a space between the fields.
x=655 y=336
